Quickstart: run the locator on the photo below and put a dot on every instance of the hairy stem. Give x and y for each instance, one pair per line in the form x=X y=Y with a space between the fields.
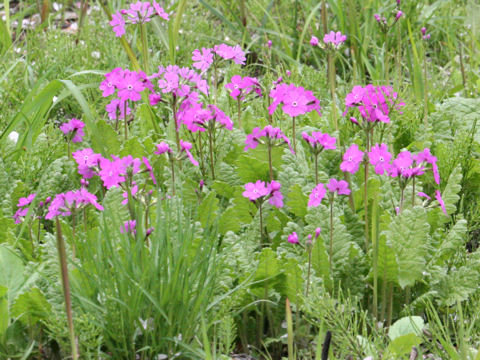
x=316 y=168
x=365 y=199
x=270 y=167
x=173 y=176
x=144 y=39
x=239 y=111
x=66 y=288
x=210 y=145
x=331 y=237
x=293 y=137
x=309 y=268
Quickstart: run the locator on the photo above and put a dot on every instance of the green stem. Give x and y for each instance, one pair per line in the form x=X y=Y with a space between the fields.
x=177 y=130
x=293 y=137
x=309 y=268
x=125 y=119
x=270 y=167
x=316 y=168
x=365 y=199
x=413 y=191
x=331 y=237
x=173 y=176
x=6 y=7
x=390 y=304
x=261 y=224
x=239 y=111
x=210 y=145
x=331 y=77
x=143 y=36
x=375 y=225
x=425 y=90
x=66 y=288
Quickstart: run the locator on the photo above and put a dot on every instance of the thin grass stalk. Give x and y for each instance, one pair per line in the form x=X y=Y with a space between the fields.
x=331 y=78
x=425 y=90
x=331 y=237
x=6 y=8
x=83 y=13
x=62 y=255
x=172 y=166
x=291 y=355
x=144 y=39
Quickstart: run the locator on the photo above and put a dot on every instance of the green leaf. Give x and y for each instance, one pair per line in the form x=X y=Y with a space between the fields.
x=402 y=345
x=457 y=285
x=407 y=236
x=294 y=284
x=251 y=169
x=320 y=262
x=229 y=221
x=297 y=201
x=450 y=194
x=268 y=267
x=110 y=142
x=387 y=262
x=133 y=147
x=4 y=315
x=453 y=242
x=208 y=209
x=31 y=307
x=406 y=325
x=11 y=271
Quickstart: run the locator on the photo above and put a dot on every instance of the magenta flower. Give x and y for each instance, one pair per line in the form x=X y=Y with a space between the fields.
x=86 y=160
x=163 y=147
x=202 y=59
x=111 y=172
x=24 y=201
x=269 y=44
x=339 y=187
x=401 y=166
x=271 y=133
x=160 y=11
x=398 y=15
x=317 y=195
x=186 y=146
x=139 y=12
x=351 y=159
x=422 y=194
x=293 y=238
x=438 y=196
x=64 y=203
x=234 y=53
x=116 y=109
x=129 y=226
x=252 y=139
x=118 y=24
x=239 y=87
x=317 y=232
x=320 y=141
x=426 y=157
x=130 y=87
x=335 y=39
x=254 y=191
x=276 y=197
x=23 y=209
x=133 y=192
x=314 y=41
x=380 y=158
x=149 y=169
x=221 y=118
x=73 y=128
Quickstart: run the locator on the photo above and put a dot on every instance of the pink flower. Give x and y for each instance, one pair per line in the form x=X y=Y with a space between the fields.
x=422 y=194
x=111 y=172
x=139 y=12
x=86 y=160
x=160 y=11
x=317 y=195
x=273 y=134
x=269 y=44
x=129 y=226
x=298 y=101
x=163 y=147
x=26 y=201
x=118 y=24
x=314 y=41
x=133 y=192
x=276 y=197
x=401 y=165
x=186 y=146
x=351 y=159
x=150 y=169
x=334 y=38
x=317 y=232
x=380 y=157
x=115 y=108
x=254 y=191
x=202 y=59
x=398 y=15
x=293 y=238
x=234 y=53
x=252 y=139
x=241 y=86
x=438 y=196
x=74 y=128
x=130 y=87
x=340 y=187
x=64 y=203
x=221 y=118
x=320 y=140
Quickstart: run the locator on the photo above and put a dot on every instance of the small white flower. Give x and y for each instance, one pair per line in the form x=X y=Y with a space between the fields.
x=54 y=99
x=96 y=54
x=13 y=136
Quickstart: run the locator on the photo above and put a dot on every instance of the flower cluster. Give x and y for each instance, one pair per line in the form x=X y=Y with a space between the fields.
x=425 y=36
x=319 y=141
x=138 y=13
x=293 y=237
x=239 y=87
x=164 y=148
x=196 y=118
x=334 y=39
x=23 y=209
x=374 y=103
x=272 y=135
x=63 y=204
x=295 y=99
x=73 y=130
x=334 y=186
x=259 y=192
x=179 y=82
x=205 y=57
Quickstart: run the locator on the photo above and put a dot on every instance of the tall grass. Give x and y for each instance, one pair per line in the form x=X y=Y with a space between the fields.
x=148 y=296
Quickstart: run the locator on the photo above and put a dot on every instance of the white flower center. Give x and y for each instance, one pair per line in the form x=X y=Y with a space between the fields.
x=381 y=158
x=294 y=104
x=235 y=86
x=350 y=158
x=130 y=87
x=109 y=84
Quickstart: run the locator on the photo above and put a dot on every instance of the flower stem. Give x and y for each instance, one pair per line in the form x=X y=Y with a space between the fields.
x=309 y=268
x=270 y=167
x=210 y=145
x=125 y=119
x=74 y=226
x=425 y=90
x=293 y=136
x=239 y=110
x=261 y=224
x=173 y=176
x=316 y=168
x=365 y=199
x=413 y=191
x=66 y=288
x=143 y=36
x=331 y=77
x=177 y=130
x=331 y=237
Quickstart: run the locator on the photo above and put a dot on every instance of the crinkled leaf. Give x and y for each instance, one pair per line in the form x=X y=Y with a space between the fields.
x=31 y=307
x=297 y=201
